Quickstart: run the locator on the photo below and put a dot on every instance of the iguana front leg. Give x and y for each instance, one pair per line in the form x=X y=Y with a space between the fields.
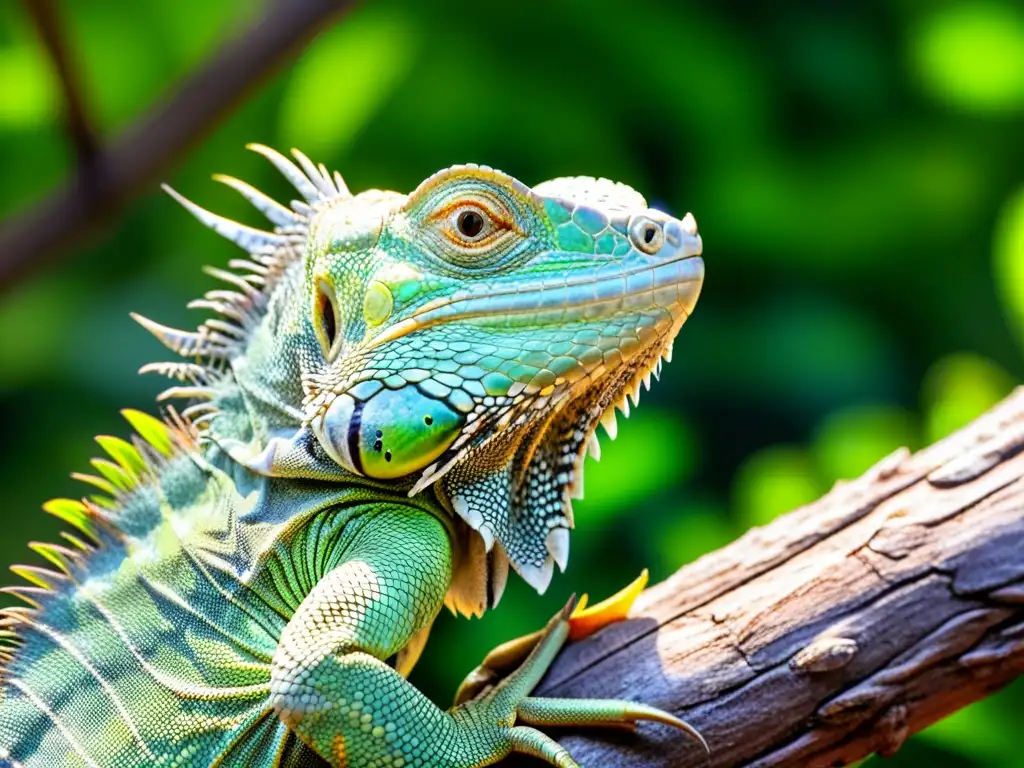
x=330 y=682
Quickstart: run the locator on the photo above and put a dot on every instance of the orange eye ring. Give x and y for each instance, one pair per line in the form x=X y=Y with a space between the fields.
x=471 y=224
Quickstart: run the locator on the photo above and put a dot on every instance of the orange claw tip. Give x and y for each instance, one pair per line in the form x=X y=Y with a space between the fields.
x=586 y=621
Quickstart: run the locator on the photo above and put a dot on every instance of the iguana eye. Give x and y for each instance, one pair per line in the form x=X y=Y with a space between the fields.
x=472 y=228
x=470 y=224
x=326 y=317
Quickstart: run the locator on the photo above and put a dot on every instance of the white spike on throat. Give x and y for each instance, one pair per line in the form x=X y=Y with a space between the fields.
x=557 y=542
x=635 y=393
x=609 y=423
x=231 y=278
x=186 y=393
x=538 y=577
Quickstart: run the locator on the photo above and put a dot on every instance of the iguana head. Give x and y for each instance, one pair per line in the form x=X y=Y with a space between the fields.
x=469 y=336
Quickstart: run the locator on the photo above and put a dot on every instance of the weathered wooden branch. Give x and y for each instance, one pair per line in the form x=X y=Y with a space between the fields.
x=116 y=172
x=837 y=630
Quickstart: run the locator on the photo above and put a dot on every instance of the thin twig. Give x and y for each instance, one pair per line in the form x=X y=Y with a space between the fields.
x=46 y=16
x=160 y=137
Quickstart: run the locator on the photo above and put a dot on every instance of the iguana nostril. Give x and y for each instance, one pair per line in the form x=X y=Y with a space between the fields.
x=646 y=235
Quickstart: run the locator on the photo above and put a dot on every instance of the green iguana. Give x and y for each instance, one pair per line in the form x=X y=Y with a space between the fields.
x=390 y=407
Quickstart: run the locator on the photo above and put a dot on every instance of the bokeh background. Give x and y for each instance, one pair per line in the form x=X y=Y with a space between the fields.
x=857 y=171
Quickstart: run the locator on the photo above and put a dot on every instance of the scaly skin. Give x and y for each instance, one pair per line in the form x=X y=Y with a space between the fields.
x=390 y=407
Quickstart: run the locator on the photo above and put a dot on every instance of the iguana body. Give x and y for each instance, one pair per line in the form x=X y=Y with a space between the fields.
x=391 y=407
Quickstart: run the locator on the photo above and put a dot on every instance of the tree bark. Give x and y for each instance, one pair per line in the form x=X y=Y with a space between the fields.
x=835 y=631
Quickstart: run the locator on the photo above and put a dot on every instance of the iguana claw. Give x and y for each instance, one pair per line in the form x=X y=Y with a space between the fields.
x=507 y=702
x=583 y=622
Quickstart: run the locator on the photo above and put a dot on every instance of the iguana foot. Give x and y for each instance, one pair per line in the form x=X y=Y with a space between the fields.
x=583 y=622
x=496 y=708
x=355 y=710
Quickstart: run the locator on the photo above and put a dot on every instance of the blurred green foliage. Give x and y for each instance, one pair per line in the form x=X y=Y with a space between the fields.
x=856 y=170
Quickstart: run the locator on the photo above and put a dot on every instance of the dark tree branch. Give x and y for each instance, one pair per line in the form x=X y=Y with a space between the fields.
x=45 y=15
x=835 y=631
x=150 y=146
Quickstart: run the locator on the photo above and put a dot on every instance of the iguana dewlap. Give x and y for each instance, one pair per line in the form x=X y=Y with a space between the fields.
x=389 y=408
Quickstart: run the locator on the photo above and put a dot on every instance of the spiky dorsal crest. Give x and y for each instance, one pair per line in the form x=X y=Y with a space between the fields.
x=94 y=518
x=238 y=308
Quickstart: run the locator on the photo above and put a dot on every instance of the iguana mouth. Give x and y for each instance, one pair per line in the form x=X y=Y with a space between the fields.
x=672 y=284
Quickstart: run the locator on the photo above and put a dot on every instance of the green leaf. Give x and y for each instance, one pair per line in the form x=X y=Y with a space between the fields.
x=971 y=55
x=121 y=59
x=850 y=441
x=343 y=79
x=987 y=731
x=1008 y=260
x=48 y=307
x=686 y=533
x=959 y=388
x=29 y=97
x=773 y=481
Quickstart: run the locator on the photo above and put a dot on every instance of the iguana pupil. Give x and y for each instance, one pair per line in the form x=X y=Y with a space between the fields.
x=471 y=223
